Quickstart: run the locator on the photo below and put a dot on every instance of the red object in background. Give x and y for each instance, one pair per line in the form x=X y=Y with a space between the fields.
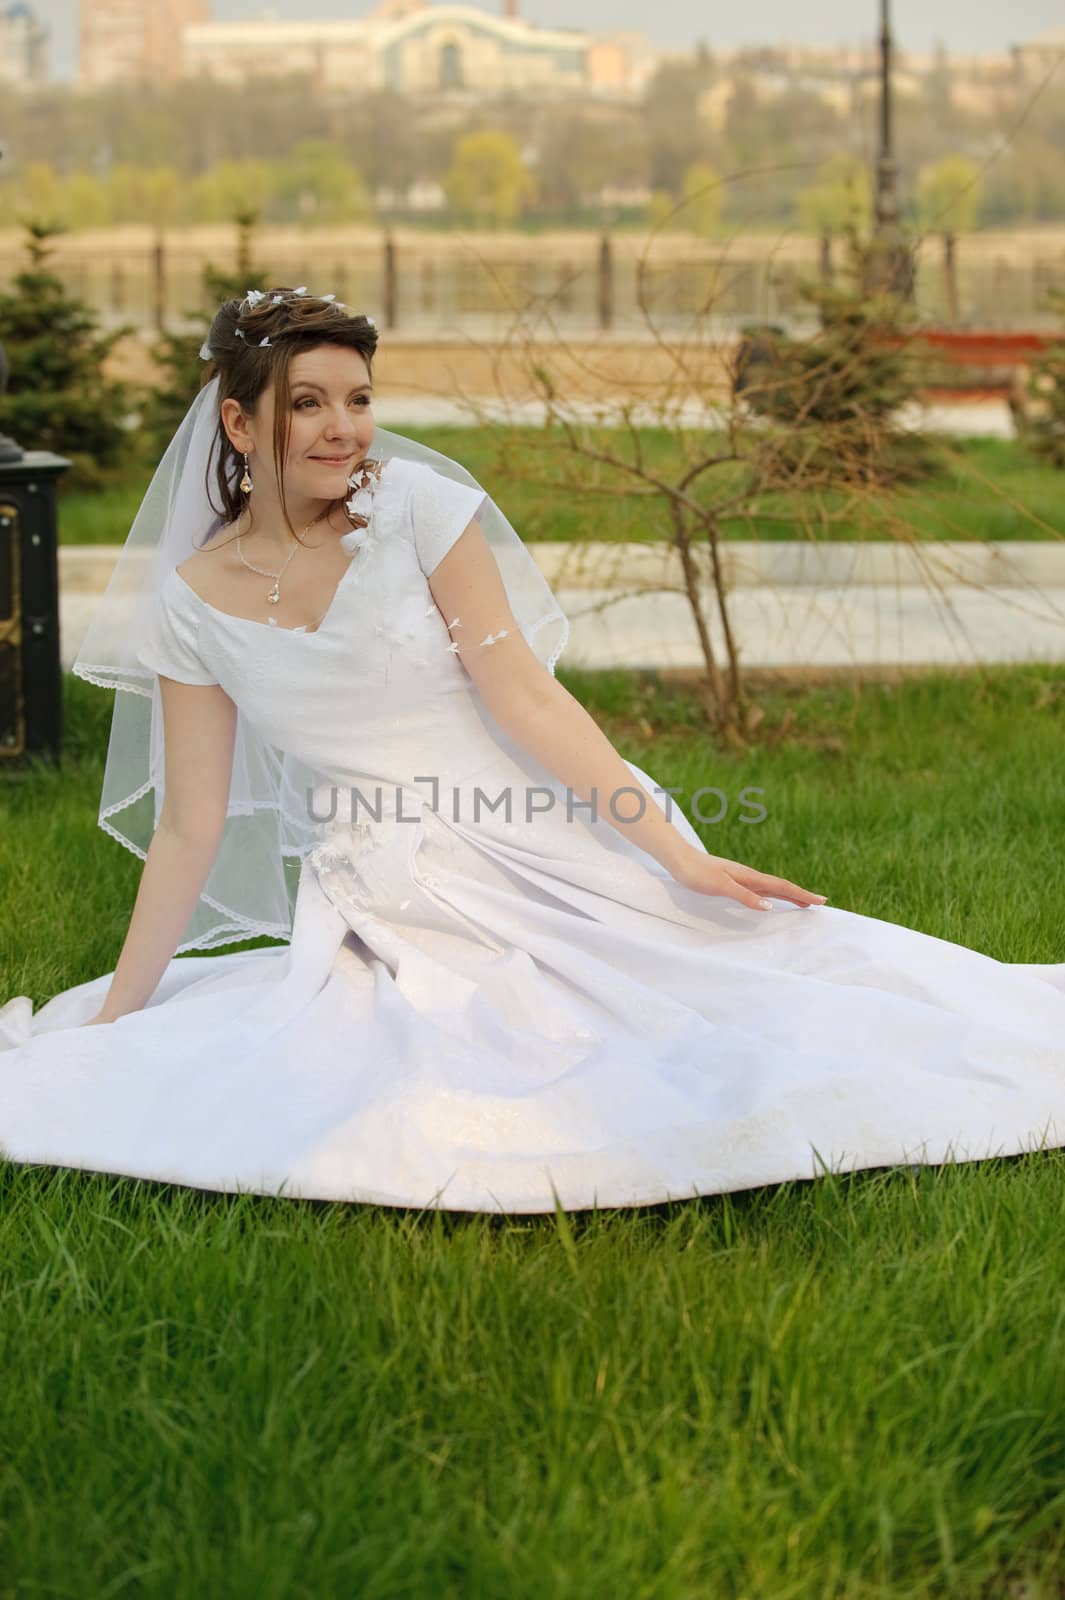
x=999 y=353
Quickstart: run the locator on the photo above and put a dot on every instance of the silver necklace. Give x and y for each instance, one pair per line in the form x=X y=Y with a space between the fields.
x=275 y=593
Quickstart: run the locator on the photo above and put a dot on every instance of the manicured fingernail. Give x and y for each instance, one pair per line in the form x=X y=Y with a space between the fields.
x=765 y=905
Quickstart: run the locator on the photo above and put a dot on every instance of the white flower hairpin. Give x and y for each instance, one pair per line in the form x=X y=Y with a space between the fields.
x=252 y=298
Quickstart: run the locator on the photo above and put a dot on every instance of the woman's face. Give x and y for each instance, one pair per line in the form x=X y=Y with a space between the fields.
x=331 y=417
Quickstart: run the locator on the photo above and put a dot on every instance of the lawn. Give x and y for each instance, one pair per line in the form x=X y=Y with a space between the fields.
x=842 y=1388
x=987 y=489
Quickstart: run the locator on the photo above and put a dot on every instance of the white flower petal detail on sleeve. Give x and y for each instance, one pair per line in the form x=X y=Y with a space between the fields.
x=361 y=502
x=352 y=541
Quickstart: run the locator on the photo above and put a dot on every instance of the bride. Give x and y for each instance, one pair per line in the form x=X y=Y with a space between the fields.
x=512 y=973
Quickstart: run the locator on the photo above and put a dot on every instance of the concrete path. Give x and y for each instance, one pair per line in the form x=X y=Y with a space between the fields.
x=861 y=626
x=989 y=419
x=792 y=605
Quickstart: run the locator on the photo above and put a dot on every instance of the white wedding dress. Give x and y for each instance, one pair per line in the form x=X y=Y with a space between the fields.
x=481 y=1014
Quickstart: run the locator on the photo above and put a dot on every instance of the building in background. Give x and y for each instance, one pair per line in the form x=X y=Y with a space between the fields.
x=1039 y=57
x=421 y=49
x=23 y=47
x=844 y=78
x=134 y=41
x=445 y=48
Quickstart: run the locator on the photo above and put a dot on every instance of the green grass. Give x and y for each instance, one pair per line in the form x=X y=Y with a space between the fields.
x=850 y=1387
x=987 y=489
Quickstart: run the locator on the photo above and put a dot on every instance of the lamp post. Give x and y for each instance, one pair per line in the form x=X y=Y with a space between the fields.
x=890 y=265
x=31 y=679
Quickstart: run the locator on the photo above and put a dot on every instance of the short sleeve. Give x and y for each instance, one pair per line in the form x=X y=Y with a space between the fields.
x=440 y=510
x=168 y=644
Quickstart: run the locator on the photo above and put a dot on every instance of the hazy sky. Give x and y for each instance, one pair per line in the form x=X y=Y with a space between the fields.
x=963 y=25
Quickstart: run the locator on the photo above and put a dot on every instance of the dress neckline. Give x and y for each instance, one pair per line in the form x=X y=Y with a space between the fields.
x=275 y=627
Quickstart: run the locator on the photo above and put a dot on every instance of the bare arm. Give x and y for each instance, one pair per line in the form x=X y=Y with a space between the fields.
x=552 y=726
x=199 y=727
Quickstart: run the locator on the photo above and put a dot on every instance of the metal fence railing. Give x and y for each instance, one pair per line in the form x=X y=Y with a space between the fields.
x=430 y=288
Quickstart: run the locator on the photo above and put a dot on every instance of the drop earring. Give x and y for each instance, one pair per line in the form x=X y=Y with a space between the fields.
x=245 y=482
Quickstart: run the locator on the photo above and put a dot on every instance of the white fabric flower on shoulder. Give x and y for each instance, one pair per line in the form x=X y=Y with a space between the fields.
x=365 y=481
x=361 y=503
x=353 y=540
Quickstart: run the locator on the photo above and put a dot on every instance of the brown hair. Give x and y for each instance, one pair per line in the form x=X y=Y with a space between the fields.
x=246 y=367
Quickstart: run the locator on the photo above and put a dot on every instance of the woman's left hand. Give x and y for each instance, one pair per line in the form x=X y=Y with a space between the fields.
x=695 y=869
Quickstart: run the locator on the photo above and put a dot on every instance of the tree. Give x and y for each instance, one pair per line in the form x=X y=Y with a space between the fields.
x=57 y=395
x=582 y=153
x=675 y=136
x=487 y=180
x=1027 y=182
x=84 y=203
x=37 y=193
x=144 y=194
x=841 y=198
x=1037 y=400
x=229 y=185
x=687 y=481
x=318 y=184
x=703 y=195
x=840 y=201
x=948 y=197
x=179 y=353
x=660 y=209
x=838 y=395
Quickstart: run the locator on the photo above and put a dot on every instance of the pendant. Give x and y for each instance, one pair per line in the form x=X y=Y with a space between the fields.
x=273 y=597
